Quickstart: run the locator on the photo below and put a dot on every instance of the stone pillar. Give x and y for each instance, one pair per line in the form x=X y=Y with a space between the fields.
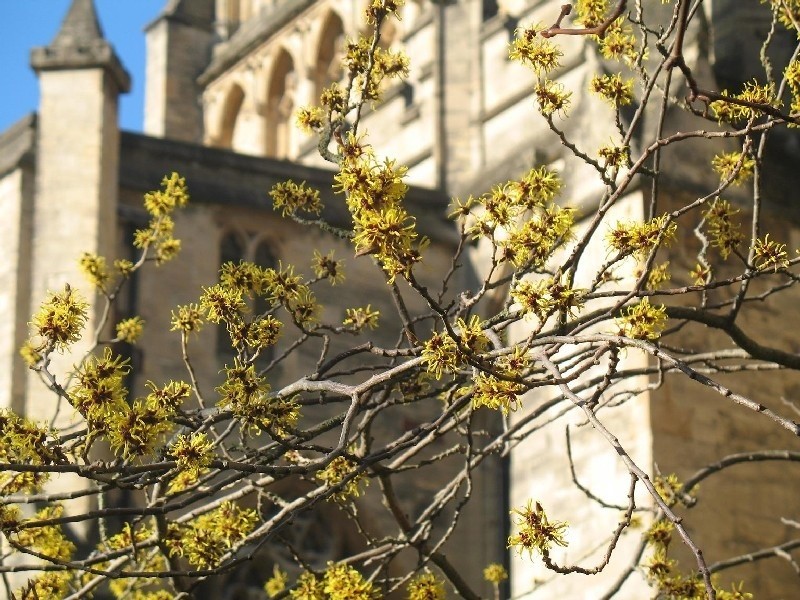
x=178 y=50
x=16 y=201
x=77 y=163
x=456 y=73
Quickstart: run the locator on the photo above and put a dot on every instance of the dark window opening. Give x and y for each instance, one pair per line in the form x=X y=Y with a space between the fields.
x=490 y=9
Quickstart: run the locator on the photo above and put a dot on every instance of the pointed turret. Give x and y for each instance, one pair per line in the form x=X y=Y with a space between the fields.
x=79 y=44
x=80 y=26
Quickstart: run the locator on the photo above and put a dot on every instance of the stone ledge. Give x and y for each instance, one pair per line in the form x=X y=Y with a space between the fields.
x=225 y=178
x=96 y=54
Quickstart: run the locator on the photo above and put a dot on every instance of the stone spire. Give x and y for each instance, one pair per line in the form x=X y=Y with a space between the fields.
x=80 y=26
x=80 y=44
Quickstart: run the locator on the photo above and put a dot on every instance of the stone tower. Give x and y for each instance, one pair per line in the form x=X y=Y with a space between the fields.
x=178 y=50
x=77 y=163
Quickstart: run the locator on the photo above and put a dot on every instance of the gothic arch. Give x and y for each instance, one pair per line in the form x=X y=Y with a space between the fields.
x=232 y=246
x=281 y=90
x=327 y=62
x=263 y=253
x=230 y=114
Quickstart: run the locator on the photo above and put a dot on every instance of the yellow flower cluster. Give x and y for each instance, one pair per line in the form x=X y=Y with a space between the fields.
x=134 y=540
x=590 y=13
x=770 y=255
x=290 y=197
x=47 y=586
x=792 y=75
x=723 y=227
x=100 y=392
x=137 y=429
x=614 y=156
x=618 y=43
x=788 y=13
x=362 y=317
x=339 y=473
x=753 y=92
x=613 y=88
x=187 y=318
x=277 y=583
x=24 y=442
x=543 y=57
x=382 y=226
x=442 y=354
x=59 y=322
x=130 y=330
x=544 y=297
x=131 y=429
x=643 y=321
x=161 y=204
x=338 y=582
x=534 y=51
x=636 y=238
x=495 y=573
x=536 y=531
x=662 y=571
x=246 y=393
x=205 y=540
x=734 y=166
x=522 y=218
x=498 y=390
x=193 y=453
x=385 y=64
x=228 y=302
x=426 y=587
x=48 y=540
x=324 y=265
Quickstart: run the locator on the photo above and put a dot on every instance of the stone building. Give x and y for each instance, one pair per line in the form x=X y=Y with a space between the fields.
x=222 y=81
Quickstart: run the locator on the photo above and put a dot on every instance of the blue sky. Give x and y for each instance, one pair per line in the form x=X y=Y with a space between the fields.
x=29 y=23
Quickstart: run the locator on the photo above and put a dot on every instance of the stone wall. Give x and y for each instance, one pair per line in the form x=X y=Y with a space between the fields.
x=16 y=206
x=740 y=510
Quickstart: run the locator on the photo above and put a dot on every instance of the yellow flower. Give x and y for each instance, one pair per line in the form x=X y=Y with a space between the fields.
x=426 y=587
x=495 y=573
x=61 y=318
x=130 y=330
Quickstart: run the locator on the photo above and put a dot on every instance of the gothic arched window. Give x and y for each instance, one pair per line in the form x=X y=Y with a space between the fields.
x=230 y=115
x=280 y=106
x=231 y=249
x=328 y=66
